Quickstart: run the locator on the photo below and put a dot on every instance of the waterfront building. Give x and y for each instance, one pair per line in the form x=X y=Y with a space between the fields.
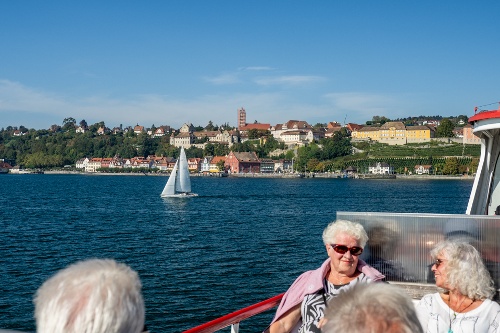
x=266 y=165
x=205 y=164
x=82 y=163
x=381 y=168
x=423 y=169
x=214 y=163
x=244 y=162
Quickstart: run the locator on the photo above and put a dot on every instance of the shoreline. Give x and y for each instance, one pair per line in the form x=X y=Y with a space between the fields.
x=270 y=175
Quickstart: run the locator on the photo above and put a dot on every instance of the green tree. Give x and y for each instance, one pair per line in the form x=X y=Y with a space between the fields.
x=253 y=134
x=220 y=149
x=312 y=164
x=451 y=166
x=338 y=145
x=220 y=165
x=69 y=124
x=209 y=149
x=445 y=129
x=210 y=126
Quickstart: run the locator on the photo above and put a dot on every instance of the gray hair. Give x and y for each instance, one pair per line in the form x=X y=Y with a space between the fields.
x=352 y=229
x=92 y=296
x=465 y=270
x=374 y=308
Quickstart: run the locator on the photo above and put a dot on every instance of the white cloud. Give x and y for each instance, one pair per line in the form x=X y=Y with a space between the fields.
x=247 y=74
x=228 y=78
x=290 y=80
x=38 y=109
x=16 y=97
x=256 y=68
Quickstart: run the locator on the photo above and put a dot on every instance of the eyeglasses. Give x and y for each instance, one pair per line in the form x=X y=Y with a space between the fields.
x=438 y=262
x=342 y=249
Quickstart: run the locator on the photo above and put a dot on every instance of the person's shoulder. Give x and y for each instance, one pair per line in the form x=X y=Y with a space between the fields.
x=304 y=276
x=428 y=299
x=492 y=305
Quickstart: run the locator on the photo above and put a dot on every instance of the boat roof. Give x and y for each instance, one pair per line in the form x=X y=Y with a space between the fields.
x=483 y=115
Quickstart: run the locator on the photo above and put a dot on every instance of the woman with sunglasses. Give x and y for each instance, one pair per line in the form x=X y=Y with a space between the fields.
x=465 y=304
x=302 y=307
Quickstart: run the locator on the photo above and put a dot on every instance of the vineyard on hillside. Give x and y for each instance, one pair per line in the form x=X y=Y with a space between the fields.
x=450 y=158
x=403 y=165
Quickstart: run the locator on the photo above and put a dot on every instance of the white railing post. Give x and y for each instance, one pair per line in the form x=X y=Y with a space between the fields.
x=235 y=328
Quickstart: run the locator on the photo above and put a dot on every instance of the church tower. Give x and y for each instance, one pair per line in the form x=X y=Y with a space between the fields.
x=242 y=118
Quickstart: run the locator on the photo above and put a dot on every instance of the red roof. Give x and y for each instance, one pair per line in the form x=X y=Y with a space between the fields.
x=485 y=115
x=263 y=127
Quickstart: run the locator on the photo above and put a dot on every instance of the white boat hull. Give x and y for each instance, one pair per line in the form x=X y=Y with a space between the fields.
x=179 y=195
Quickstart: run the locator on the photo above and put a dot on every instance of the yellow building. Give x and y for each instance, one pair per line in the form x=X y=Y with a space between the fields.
x=395 y=133
x=366 y=133
x=419 y=134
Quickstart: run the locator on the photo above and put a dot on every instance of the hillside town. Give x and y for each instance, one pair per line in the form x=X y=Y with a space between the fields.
x=291 y=135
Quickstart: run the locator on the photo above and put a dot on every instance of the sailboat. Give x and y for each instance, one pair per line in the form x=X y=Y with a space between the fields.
x=179 y=182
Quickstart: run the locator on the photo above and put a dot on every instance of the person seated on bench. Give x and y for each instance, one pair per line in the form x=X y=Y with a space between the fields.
x=465 y=305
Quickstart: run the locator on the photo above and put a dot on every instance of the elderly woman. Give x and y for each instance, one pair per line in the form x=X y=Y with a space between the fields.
x=465 y=304
x=302 y=307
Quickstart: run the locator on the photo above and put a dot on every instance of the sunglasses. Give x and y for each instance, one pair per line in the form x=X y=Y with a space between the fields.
x=438 y=262
x=342 y=249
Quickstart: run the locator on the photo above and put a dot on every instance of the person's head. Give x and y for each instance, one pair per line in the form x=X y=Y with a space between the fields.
x=92 y=296
x=344 y=242
x=371 y=308
x=497 y=211
x=458 y=267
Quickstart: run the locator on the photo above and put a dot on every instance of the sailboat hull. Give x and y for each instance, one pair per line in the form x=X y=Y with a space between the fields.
x=179 y=195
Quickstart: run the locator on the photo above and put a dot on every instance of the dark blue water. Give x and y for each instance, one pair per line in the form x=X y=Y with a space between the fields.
x=239 y=242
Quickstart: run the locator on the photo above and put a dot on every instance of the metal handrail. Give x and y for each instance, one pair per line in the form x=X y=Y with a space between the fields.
x=236 y=317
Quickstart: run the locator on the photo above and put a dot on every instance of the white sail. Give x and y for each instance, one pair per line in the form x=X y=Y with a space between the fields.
x=183 y=182
x=169 y=188
x=179 y=182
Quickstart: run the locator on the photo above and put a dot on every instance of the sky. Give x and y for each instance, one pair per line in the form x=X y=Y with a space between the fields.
x=172 y=62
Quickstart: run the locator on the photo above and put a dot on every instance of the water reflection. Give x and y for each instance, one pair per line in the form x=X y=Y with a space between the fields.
x=381 y=253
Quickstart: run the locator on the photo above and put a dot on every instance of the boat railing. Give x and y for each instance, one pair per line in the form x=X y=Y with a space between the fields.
x=233 y=319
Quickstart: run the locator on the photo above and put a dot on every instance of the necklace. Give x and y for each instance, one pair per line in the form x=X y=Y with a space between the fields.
x=458 y=310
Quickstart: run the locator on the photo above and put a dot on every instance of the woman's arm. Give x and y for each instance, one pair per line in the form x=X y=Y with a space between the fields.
x=286 y=322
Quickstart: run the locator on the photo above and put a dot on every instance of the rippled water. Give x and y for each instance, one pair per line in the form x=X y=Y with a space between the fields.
x=241 y=241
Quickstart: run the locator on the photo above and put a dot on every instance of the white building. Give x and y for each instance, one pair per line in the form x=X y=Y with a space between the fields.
x=381 y=168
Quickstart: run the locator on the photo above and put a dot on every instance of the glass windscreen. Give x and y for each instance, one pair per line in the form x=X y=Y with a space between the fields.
x=494 y=200
x=400 y=244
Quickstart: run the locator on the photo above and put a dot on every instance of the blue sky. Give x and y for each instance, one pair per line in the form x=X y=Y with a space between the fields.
x=172 y=62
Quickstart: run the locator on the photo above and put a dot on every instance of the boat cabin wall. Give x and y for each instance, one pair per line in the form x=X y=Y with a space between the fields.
x=399 y=245
x=485 y=194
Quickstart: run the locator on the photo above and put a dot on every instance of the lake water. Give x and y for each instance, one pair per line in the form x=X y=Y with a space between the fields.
x=241 y=241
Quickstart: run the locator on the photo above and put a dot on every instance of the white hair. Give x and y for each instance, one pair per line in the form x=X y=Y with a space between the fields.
x=92 y=296
x=465 y=270
x=352 y=229
x=373 y=308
